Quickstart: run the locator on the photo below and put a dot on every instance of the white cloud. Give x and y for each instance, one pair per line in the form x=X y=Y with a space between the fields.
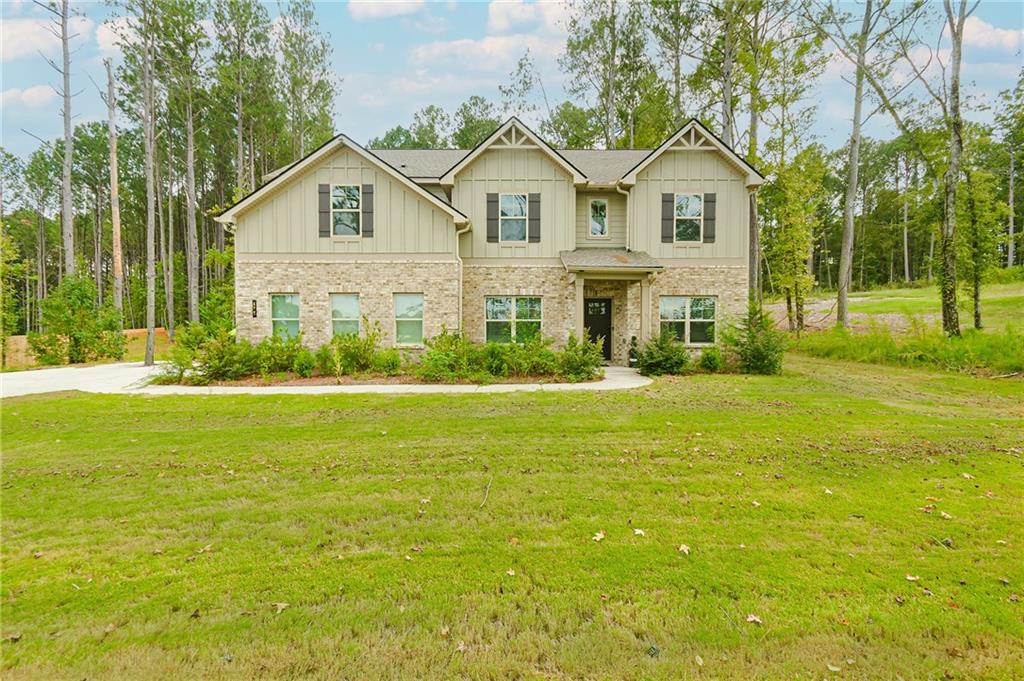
x=487 y=54
x=37 y=95
x=503 y=15
x=364 y=10
x=108 y=34
x=28 y=37
x=981 y=34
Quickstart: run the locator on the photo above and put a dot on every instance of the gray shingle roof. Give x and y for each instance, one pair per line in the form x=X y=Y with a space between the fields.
x=599 y=165
x=608 y=259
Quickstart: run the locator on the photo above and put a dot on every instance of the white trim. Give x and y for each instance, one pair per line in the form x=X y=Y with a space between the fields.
x=753 y=178
x=675 y=218
x=341 y=141
x=590 y=216
x=448 y=179
x=525 y=218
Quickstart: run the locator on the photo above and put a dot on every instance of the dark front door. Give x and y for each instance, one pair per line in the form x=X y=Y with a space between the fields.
x=597 y=317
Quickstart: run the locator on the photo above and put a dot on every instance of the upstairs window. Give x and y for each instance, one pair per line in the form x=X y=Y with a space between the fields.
x=599 y=218
x=690 y=320
x=512 y=319
x=512 y=217
x=689 y=216
x=346 y=203
x=345 y=314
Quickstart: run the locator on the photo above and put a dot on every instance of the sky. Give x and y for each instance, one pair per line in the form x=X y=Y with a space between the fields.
x=393 y=58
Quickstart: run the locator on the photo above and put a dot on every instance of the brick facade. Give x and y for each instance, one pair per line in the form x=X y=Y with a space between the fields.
x=375 y=282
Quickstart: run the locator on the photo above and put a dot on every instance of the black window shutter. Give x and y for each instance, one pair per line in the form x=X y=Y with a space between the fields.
x=533 y=229
x=324 y=192
x=492 y=218
x=709 y=218
x=668 y=218
x=366 y=227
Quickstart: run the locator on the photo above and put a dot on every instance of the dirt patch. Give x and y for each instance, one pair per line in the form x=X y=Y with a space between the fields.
x=820 y=315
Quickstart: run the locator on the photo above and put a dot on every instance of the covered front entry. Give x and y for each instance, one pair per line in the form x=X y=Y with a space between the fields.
x=613 y=297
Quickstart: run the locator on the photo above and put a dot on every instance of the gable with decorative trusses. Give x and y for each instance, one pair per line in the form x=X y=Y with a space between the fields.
x=514 y=135
x=694 y=137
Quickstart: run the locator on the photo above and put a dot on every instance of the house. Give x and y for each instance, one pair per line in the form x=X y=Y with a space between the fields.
x=510 y=239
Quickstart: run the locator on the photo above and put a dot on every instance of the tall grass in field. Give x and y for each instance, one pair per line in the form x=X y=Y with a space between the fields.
x=990 y=352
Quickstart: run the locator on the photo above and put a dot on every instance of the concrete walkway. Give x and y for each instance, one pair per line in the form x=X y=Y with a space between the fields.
x=131 y=378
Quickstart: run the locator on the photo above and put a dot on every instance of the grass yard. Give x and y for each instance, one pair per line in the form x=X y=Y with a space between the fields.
x=453 y=536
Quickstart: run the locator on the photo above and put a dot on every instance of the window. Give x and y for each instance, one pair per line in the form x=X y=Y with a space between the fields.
x=284 y=314
x=345 y=314
x=409 y=318
x=689 y=217
x=691 y=320
x=511 y=319
x=512 y=218
x=345 y=205
x=599 y=218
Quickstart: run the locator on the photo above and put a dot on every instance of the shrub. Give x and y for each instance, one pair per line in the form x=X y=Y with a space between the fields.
x=581 y=360
x=304 y=363
x=663 y=354
x=221 y=358
x=325 y=360
x=756 y=342
x=534 y=357
x=449 y=357
x=711 y=360
x=74 y=329
x=278 y=354
x=353 y=354
x=387 y=362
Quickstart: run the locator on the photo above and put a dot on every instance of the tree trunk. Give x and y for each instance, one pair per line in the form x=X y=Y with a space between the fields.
x=239 y=140
x=97 y=247
x=67 y=216
x=191 y=242
x=976 y=251
x=852 y=171
x=40 y=264
x=149 y=141
x=931 y=253
x=1011 y=246
x=947 y=245
x=906 y=220
x=728 y=64
x=610 y=78
x=115 y=200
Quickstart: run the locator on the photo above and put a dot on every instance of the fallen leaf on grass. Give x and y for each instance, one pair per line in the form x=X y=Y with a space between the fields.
x=1013 y=598
x=408 y=557
x=14 y=638
x=638 y=532
x=912 y=578
x=899 y=600
x=599 y=536
x=513 y=541
x=683 y=548
x=968 y=476
x=945 y=515
x=828 y=491
x=195 y=614
x=833 y=668
x=753 y=619
x=461 y=646
x=756 y=504
x=280 y=607
x=37 y=554
x=425 y=500
x=927 y=509
x=699 y=660
x=511 y=572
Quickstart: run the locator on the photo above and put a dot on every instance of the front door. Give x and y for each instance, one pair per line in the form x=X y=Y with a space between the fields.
x=597 y=318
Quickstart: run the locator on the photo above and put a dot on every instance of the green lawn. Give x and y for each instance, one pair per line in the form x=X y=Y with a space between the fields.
x=159 y=537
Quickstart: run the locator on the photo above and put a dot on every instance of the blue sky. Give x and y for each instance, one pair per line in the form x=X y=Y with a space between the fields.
x=393 y=58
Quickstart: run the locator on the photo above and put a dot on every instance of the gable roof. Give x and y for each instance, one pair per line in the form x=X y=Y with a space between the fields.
x=754 y=178
x=515 y=125
x=318 y=154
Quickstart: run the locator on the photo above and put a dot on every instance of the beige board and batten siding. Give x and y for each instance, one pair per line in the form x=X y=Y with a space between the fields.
x=286 y=222
x=616 y=221
x=699 y=172
x=516 y=171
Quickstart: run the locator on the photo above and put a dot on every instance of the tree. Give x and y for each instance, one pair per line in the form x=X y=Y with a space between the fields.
x=306 y=78
x=572 y=127
x=91 y=171
x=397 y=137
x=671 y=24
x=431 y=128
x=41 y=173
x=115 y=192
x=475 y=119
x=592 y=59
x=60 y=26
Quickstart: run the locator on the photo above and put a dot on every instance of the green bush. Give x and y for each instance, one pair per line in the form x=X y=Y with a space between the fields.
x=711 y=360
x=388 y=362
x=325 y=360
x=663 y=354
x=1000 y=352
x=75 y=330
x=581 y=360
x=534 y=357
x=449 y=357
x=221 y=358
x=354 y=354
x=278 y=354
x=304 y=363
x=758 y=345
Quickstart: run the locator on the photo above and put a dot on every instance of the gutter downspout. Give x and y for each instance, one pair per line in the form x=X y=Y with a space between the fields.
x=458 y=258
x=629 y=234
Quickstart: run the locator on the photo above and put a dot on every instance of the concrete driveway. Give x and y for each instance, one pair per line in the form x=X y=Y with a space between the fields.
x=131 y=378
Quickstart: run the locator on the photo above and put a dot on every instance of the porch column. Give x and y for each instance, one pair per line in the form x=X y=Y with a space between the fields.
x=645 y=309
x=580 y=333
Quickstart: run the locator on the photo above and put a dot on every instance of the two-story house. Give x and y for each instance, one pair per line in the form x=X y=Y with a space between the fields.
x=503 y=241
